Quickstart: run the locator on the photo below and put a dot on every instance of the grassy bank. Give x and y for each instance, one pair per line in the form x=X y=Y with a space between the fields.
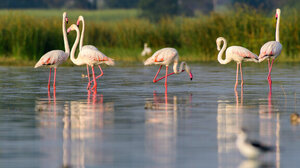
x=120 y=34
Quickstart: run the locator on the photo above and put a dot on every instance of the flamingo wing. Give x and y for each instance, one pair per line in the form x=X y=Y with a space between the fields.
x=52 y=58
x=162 y=56
x=270 y=49
x=243 y=52
x=90 y=47
x=93 y=56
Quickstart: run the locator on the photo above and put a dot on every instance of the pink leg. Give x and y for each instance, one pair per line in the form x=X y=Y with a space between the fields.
x=269 y=68
x=237 y=76
x=242 y=80
x=100 y=71
x=167 y=75
x=269 y=76
x=88 y=74
x=49 y=80
x=99 y=75
x=154 y=79
x=54 y=87
x=166 y=80
x=95 y=82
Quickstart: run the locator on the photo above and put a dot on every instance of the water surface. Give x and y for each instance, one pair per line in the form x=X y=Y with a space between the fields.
x=132 y=122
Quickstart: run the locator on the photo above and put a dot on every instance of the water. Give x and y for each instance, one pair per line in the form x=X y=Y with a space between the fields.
x=131 y=122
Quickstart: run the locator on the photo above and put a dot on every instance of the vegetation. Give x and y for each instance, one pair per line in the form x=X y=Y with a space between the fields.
x=27 y=36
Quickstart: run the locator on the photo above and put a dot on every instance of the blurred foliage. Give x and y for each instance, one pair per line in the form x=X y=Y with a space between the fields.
x=154 y=10
x=30 y=36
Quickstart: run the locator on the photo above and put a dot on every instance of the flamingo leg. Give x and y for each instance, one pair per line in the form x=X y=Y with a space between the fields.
x=100 y=71
x=167 y=75
x=269 y=64
x=269 y=76
x=166 y=80
x=95 y=82
x=49 y=80
x=97 y=76
x=54 y=86
x=154 y=79
x=242 y=80
x=88 y=74
x=237 y=76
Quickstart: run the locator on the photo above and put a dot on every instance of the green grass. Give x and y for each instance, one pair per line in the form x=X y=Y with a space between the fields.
x=120 y=34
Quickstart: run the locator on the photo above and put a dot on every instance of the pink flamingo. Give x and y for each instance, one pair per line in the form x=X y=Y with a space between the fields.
x=54 y=58
x=271 y=49
x=165 y=57
x=237 y=54
x=88 y=55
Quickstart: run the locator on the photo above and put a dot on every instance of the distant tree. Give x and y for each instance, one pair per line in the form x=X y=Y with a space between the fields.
x=121 y=3
x=188 y=7
x=22 y=4
x=259 y=4
x=154 y=9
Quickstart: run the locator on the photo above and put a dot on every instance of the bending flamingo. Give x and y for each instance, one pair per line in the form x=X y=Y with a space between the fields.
x=55 y=57
x=88 y=55
x=271 y=49
x=237 y=54
x=147 y=50
x=165 y=57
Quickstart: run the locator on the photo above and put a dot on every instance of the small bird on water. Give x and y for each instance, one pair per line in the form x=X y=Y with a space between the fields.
x=250 y=149
x=295 y=118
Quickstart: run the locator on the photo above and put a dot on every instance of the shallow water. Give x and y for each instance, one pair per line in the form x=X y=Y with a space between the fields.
x=131 y=122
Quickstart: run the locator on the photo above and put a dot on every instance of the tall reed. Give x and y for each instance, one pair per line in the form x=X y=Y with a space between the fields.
x=29 y=37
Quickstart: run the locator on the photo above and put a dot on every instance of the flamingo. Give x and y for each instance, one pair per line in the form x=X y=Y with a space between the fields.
x=147 y=50
x=271 y=49
x=165 y=57
x=88 y=55
x=54 y=58
x=237 y=54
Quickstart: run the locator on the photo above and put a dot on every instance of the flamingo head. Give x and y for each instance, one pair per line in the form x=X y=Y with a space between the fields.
x=80 y=18
x=66 y=17
x=145 y=45
x=189 y=71
x=277 y=13
x=72 y=27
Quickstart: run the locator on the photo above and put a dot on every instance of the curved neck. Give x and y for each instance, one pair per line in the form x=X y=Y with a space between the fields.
x=66 y=43
x=82 y=35
x=227 y=60
x=277 y=28
x=75 y=61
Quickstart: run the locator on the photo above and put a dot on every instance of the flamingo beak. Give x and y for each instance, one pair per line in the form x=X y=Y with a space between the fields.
x=67 y=20
x=191 y=76
x=276 y=16
x=68 y=31
x=77 y=23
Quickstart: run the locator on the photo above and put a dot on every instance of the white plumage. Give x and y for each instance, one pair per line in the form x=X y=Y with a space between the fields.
x=54 y=58
x=271 y=49
x=250 y=149
x=147 y=50
x=237 y=54
x=165 y=57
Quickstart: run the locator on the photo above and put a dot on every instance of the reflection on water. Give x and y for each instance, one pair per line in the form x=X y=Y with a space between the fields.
x=234 y=115
x=76 y=123
x=161 y=117
x=128 y=125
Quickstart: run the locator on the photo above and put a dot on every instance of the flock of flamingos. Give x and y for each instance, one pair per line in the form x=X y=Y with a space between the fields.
x=91 y=56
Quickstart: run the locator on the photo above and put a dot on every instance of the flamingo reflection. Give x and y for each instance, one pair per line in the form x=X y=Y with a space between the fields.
x=229 y=121
x=78 y=123
x=161 y=114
